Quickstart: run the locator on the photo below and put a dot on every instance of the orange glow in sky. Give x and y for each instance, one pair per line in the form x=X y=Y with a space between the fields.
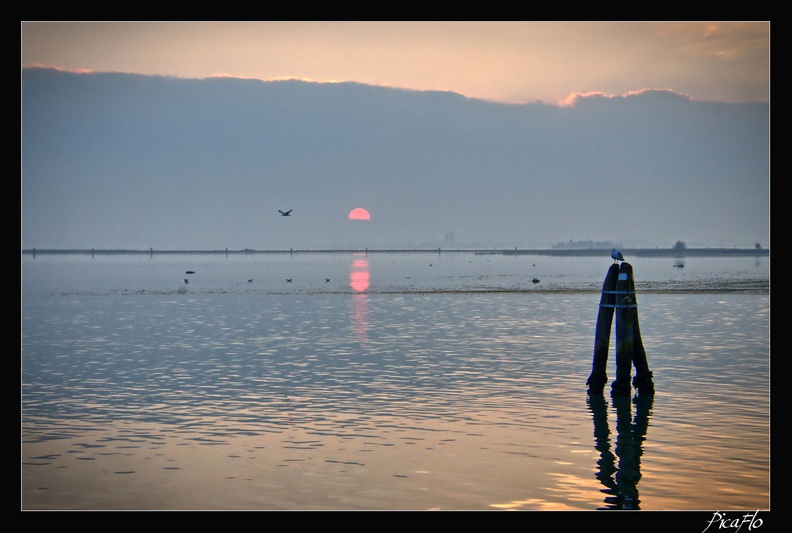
x=504 y=61
x=359 y=214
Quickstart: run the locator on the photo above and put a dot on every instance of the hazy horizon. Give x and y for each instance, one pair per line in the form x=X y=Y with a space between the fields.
x=132 y=161
x=484 y=135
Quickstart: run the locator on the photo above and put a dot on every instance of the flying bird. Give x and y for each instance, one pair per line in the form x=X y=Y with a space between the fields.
x=285 y=213
x=616 y=255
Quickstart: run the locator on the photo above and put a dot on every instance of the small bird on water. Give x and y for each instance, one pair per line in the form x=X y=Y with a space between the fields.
x=616 y=255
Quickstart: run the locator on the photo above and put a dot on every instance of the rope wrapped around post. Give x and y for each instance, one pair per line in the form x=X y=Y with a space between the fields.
x=618 y=297
x=599 y=377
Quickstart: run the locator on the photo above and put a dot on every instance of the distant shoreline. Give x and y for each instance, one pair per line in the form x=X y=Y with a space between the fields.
x=637 y=252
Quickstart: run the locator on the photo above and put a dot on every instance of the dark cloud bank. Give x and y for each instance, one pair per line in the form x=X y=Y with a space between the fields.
x=130 y=161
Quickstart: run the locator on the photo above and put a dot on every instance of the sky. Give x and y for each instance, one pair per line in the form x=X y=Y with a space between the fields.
x=509 y=61
x=672 y=112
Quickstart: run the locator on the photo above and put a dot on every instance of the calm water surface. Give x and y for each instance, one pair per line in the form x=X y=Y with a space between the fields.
x=387 y=381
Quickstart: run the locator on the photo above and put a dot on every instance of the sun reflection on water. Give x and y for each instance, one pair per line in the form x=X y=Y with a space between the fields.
x=359 y=275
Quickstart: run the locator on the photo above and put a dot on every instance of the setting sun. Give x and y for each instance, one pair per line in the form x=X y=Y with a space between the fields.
x=359 y=214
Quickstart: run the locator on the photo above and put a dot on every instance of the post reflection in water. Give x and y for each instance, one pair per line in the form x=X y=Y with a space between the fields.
x=620 y=481
x=359 y=281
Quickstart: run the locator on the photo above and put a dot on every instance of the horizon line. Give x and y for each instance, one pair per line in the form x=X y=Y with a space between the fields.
x=505 y=251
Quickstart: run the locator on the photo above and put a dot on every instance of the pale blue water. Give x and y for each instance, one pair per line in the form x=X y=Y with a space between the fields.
x=449 y=381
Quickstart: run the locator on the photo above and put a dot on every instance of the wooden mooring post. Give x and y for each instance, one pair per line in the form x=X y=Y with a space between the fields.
x=618 y=297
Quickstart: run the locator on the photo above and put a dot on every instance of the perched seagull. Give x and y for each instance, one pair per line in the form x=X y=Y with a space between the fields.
x=616 y=255
x=285 y=213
